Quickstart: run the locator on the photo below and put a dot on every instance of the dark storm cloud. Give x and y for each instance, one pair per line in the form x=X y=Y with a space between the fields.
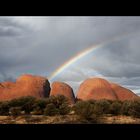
x=10 y=28
x=39 y=45
x=120 y=59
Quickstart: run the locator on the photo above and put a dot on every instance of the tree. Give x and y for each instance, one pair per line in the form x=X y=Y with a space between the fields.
x=64 y=109
x=59 y=105
x=115 y=107
x=4 y=108
x=15 y=111
x=84 y=109
x=58 y=100
x=102 y=107
x=51 y=110
x=39 y=106
x=126 y=107
x=28 y=105
x=134 y=109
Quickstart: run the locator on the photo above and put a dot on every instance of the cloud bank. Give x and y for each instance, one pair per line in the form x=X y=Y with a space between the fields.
x=39 y=45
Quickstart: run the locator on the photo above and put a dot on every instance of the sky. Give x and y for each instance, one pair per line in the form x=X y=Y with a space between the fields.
x=42 y=45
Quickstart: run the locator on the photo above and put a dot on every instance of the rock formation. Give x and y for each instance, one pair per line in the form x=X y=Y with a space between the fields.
x=39 y=87
x=98 y=88
x=60 y=88
x=26 y=85
x=123 y=93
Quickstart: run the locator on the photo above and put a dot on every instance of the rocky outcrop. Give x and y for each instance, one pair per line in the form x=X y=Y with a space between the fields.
x=98 y=88
x=26 y=85
x=60 y=88
x=123 y=93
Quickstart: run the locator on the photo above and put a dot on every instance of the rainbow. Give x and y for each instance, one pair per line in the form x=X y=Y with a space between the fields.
x=85 y=52
x=73 y=60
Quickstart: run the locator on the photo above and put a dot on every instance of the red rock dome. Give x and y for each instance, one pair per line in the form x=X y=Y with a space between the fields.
x=26 y=85
x=95 y=88
x=123 y=93
x=98 y=88
x=60 y=88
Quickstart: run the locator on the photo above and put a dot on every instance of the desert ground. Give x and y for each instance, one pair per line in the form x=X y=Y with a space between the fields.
x=66 y=119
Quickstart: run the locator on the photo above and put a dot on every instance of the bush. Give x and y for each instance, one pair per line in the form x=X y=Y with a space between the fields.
x=102 y=107
x=115 y=108
x=28 y=105
x=51 y=110
x=19 y=102
x=84 y=109
x=126 y=107
x=25 y=103
x=134 y=109
x=39 y=106
x=4 y=108
x=64 y=109
x=58 y=100
x=15 y=111
x=57 y=105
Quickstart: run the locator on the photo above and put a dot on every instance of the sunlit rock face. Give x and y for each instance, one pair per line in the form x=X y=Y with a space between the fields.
x=98 y=88
x=26 y=85
x=60 y=88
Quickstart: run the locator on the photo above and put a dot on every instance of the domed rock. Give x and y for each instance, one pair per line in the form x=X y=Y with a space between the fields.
x=60 y=88
x=26 y=85
x=123 y=93
x=97 y=89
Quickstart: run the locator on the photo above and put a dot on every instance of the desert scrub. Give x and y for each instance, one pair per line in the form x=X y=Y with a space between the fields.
x=134 y=109
x=51 y=110
x=115 y=107
x=15 y=111
x=102 y=107
x=85 y=111
x=57 y=105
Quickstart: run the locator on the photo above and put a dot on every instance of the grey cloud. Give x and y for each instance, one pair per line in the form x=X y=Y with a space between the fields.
x=10 y=28
x=40 y=45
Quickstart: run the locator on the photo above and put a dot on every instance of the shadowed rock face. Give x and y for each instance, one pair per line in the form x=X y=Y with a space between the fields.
x=60 y=88
x=98 y=88
x=26 y=85
x=123 y=93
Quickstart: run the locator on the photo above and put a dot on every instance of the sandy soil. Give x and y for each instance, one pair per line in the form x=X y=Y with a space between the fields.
x=67 y=119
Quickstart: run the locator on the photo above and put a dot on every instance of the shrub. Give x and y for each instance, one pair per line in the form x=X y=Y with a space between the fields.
x=84 y=109
x=64 y=109
x=25 y=103
x=51 y=110
x=115 y=108
x=102 y=107
x=126 y=107
x=28 y=105
x=19 y=102
x=15 y=111
x=58 y=100
x=61 y=104
x=39 y=106
x=134 y=109
x=4 y=108
x=93 y=102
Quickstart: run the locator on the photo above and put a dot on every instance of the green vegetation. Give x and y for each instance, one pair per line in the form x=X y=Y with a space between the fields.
x=4 y=108
x=102 y=107
x=51 y=110
x=126 y=105
x=15 y=111
x=55 y=105
x=134 y=109
x=115 y=107
x=84 y=109
x=90 y=111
